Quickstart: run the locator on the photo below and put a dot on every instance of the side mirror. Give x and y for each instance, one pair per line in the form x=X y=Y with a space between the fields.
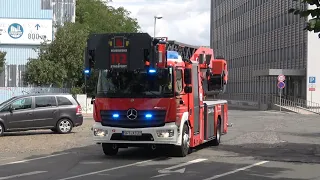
x=188 y=89
x=187 y=76
x=92 y=99
x=11 y=108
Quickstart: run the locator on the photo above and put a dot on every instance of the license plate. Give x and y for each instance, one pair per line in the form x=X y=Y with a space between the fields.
x=132 y=133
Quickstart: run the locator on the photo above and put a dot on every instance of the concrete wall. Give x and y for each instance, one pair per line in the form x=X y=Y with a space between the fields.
x=313 y=65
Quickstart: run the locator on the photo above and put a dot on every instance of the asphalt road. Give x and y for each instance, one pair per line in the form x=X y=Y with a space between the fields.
x=260 y=145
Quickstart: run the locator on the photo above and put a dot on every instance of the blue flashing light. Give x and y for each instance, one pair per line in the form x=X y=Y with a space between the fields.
x=115 y=115
x=152 y=71
x=148 y=115
x=172 y=55
x=87 y=71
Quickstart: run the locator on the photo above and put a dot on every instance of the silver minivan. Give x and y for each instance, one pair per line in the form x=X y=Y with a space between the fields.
x=58 y=112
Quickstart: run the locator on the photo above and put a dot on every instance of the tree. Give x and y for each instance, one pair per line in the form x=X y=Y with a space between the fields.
x=2 y=60
x=102 y=18
x=61 y=62
x=313 y=24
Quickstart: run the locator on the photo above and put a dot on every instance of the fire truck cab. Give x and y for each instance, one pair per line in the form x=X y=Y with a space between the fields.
x=150 y=96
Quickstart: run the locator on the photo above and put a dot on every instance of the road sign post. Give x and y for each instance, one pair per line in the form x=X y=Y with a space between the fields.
x=281 y=85
x=312 y=87
x=312 y=84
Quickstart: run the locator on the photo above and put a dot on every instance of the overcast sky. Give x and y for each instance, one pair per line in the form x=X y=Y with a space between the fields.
x=186 y=21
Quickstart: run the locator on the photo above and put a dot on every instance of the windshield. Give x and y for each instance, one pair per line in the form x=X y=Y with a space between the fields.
x=135 y=84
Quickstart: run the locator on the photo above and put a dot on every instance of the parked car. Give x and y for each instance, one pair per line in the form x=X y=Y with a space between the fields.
x=58 y=112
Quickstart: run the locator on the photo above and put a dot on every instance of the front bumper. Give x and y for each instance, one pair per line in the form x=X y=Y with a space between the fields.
x=165 y=135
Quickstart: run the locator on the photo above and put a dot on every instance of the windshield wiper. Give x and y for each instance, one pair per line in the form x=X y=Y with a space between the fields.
x=157 y=95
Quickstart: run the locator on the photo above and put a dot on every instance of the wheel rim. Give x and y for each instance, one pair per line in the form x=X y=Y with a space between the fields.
x=65 y=126
x=186 y=140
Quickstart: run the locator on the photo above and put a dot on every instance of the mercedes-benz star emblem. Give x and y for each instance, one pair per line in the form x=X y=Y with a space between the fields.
x=132 y=114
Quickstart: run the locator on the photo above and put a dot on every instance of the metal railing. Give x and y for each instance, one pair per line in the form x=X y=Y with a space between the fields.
x=290 y=101
x=287 y=104
x=309 y=105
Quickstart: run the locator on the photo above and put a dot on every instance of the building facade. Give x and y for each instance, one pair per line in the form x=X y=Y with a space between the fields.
x=24 y=24
x=260 y=41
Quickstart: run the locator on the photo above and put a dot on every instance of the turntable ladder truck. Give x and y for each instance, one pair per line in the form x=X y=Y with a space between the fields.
x=149 y=95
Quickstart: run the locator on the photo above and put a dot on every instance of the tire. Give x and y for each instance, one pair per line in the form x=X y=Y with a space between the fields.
x=64 y=126
x=109 y=149
x=1 y=129
x=184 y=149
x=216 y=141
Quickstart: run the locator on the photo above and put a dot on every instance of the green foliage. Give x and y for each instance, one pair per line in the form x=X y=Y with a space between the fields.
x=313 y=23
x=60 y=63
x=2 y=60
x=104 y=19
x=76 y=90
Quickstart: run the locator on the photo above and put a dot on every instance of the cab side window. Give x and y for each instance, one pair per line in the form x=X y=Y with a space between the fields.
x=45 y=101
x=21 y=104
x=179 y=81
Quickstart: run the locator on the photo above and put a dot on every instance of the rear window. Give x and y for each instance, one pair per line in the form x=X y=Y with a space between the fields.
x=63 y=101
x=76 y=100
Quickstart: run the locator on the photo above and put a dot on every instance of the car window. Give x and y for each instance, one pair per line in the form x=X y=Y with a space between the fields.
x=5 y=109
x=63 y=101
x=45 y=101
x=4 y=103
x=20 y=104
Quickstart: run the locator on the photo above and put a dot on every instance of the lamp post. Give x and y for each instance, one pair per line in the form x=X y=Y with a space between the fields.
x=155 y=23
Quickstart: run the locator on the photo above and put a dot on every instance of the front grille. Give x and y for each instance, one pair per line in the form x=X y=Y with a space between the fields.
x=120 y=137
x=157 y=119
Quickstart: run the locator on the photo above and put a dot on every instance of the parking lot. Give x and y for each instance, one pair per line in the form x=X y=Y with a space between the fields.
x=260 y=145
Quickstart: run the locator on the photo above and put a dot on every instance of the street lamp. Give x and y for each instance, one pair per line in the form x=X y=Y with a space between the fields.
x=155 y=22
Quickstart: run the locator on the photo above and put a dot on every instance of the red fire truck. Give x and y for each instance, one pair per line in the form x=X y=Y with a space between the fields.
x=151 y=92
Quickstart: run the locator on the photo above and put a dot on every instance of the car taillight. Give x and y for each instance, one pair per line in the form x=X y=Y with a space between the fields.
x=79 y=111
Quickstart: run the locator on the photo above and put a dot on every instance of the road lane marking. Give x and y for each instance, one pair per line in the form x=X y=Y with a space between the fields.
x=21 y=175
x=168 y=170
x=160 y=175
x=181 y=165
x=33 y=159
x=111 y=169
x=237 y=170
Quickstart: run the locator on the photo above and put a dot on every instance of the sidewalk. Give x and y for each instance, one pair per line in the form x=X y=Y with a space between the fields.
x=87 y=115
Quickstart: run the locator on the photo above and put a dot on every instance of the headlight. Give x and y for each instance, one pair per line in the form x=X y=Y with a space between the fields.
x=100 y=132
x=165 y=133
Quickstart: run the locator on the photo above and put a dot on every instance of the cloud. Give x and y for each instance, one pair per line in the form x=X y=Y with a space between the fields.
x=186 y=21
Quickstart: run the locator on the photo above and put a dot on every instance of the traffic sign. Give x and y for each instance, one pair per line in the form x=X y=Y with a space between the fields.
x=312 y=89
x=312 y=79
x=281 y=85
x=281 y=78
x=312 y=85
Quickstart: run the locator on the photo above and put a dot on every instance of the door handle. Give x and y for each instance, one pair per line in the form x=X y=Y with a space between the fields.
x=53 y=112
x=29 y=113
